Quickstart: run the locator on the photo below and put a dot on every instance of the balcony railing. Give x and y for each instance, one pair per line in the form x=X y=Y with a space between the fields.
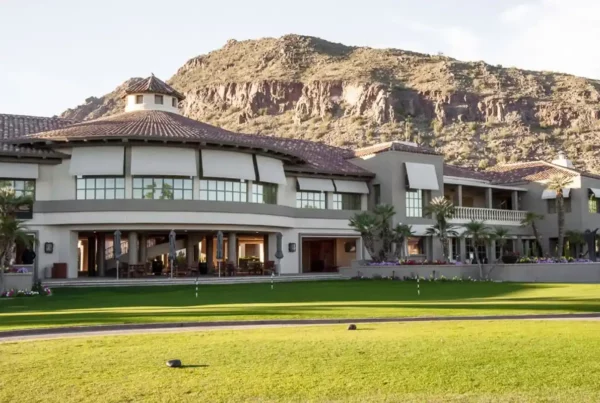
x=488 y=214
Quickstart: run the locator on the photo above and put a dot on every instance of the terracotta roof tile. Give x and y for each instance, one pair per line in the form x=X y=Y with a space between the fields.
x=531 y=171
x=167 y=126
x=154 y=85
x=393 y=146
x=461 y=172
x=15 y=126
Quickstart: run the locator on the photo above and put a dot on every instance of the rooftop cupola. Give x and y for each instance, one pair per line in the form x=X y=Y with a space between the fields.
x=563 y=161
x=152 y=94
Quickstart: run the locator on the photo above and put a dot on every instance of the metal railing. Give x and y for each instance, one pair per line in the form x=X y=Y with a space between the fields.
x=488 y=214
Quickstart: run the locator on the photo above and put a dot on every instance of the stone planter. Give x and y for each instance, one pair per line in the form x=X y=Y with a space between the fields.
x=510 y=259
x=18 y=281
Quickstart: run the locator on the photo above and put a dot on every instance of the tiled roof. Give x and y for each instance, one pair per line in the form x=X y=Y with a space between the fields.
x=167 y=126
x=14 y=126
x=154 y=85
x=393 y=146
x=460 y=172
x=531 y=171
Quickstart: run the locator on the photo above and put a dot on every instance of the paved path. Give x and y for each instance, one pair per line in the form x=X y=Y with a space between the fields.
x=106 y=330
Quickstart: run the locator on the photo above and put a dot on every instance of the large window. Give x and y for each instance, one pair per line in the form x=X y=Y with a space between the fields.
x=346 y=201
x=311 y=200
x=139 y=99
x=223 y=190
x=97 y=188
x=593 y=204
x=415 y=245
x=162 y=188
x=551 y=205
x=22 y=187
x=264 y=193
x=158 y=99
x=470 y=249
x=414 y=203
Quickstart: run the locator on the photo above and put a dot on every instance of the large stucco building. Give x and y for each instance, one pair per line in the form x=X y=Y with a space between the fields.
x=150 y=170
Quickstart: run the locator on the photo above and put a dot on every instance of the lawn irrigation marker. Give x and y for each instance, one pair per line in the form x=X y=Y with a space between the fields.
x=418 y=287
x=196 y=287
x=272 y=277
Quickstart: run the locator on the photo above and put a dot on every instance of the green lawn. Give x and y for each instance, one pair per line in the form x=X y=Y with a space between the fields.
x=451 y=361
x=340 y=299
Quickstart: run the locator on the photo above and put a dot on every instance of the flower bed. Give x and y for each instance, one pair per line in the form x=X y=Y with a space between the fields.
x=36 y=290
x=431 y=278
x=409 y=262
x=552 y=260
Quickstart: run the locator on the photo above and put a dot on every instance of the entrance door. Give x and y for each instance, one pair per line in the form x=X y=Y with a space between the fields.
x=318 y=255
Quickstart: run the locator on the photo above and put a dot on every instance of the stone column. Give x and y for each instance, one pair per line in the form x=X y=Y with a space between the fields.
x=133 y=247
x=519 y=248
x=232 y=248
x=488 y=198
x=527 y=250
x=515 y=200
x=460 y=198
x=209 y=252
x=91 y=256
x=101 y=253
x=491 y=252
x=143 y=248
x=462 y=247
x=189 y=250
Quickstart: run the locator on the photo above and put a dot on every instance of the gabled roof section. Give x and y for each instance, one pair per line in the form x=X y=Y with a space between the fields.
x=153 y=85
x=466 y=173
x=17 y=126
x=394 y=146
x=161 y=126
x=532 y=171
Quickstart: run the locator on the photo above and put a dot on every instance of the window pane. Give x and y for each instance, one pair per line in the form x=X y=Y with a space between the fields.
x=99 y=183
x=178 y=183
x=220 y=196
x=188 y=195
x=90 y=183
x=137 y=183
x=100 y=194
x=203 y=195
x=110 y=182
x=110 y=194
x=137 y=193
x=220 y=185
x=203 y=185
x=187 y=184
x=89 y=194
x=81 y=183
x=120 y=183
x=212 y=195
x=120 y=194
x=178 y=194
x=81 y=194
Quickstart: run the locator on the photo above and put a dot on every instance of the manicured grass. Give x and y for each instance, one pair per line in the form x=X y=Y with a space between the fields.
x=340 y=299
x=456 y=361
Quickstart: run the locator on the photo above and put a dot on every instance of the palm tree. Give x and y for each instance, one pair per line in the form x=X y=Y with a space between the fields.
x=442 y=210
x=500 y=235
x=575 y=238
x=401 y=233
x=558 y=183
x=480 y=235
x=11 y=228
x=384 y=214
x=366 y=224
x=530 y=221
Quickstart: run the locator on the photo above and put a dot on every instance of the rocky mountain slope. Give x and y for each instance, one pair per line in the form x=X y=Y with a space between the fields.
x=305 y=87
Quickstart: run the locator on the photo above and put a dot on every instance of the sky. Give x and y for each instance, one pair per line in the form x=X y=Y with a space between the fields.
x=55 y=54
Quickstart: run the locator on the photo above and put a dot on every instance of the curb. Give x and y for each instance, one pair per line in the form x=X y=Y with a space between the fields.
x=180 y=325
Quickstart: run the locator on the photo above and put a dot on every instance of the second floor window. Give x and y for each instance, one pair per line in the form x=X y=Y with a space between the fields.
x=158 y=99
x=162 y=188
x=593 y=204
x=551 y=205
x=139 y=99
x=311 y=200
x=346 y=201
x=100 y=188
x=414 y=203
x=174 y=102
x=264 y=193
x=223 y=190
x=377 y=194
x=22 y=187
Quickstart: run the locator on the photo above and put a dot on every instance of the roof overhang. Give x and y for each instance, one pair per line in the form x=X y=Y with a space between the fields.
x=453 y=180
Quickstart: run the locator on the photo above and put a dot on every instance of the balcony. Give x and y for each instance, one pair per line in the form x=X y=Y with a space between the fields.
x=463 y=215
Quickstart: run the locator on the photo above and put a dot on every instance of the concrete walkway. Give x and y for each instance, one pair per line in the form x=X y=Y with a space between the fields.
x=125 y=329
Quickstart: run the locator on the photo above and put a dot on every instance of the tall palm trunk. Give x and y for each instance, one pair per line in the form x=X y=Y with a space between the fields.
x=479 y=263
x=537 y=237
x=560 y=209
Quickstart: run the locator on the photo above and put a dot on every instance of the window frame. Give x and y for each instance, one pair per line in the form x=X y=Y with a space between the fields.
x=258 y=194
x=420 y=245
x=414 y=205
x=319 y=203
x=96 y=189
x=593 y=203
x=551 y=205
x=23 y=192
x=158 y=97
x=221 y=188
x=174 y=102
x=185 y=192
x=353 y=199
x=139 y=99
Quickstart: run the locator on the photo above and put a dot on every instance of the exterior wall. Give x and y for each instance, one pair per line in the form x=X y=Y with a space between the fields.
x=148 y=104
x=522 y=273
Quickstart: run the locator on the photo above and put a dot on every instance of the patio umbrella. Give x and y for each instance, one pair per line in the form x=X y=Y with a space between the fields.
x=117 y=248
x=279 y=252
x=172 y=249
x=219 y=250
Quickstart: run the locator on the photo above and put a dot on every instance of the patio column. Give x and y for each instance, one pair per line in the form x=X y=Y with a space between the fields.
x=527 y=249
x=133 y=247
x=491 y=255
x=459 y=195
x=209 y=252
x=515 y=200
x=143 y=248
x=519 y=248
x=462 y=245
x=101 y=253
x=232 y=248
x=488 y=198
x=189 y=250
x=91 y=256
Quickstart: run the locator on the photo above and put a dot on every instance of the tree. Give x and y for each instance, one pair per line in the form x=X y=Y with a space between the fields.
x=441 y=209
x=11 y=228
x=401 y=233
x=500 y=235
x=575 y=238
x=530 y=221
x=480 y=234
x=558 y=183
x=365 y=223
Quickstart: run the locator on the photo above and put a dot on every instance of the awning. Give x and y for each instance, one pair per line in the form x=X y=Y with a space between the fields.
x=18 y=171
x=548 y=194
x=164 y=161
x=321 y=185
x=421 y=176
x=97 y=161
x=596 y=192
x=351 y=187
x=227 y=164
x=270 y=170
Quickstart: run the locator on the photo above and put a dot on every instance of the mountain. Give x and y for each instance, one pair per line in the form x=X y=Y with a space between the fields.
x=297 y=86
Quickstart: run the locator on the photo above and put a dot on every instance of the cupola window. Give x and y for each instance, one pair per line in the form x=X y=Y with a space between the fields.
x=139 y=99
x=158 y=99
x=174 y=102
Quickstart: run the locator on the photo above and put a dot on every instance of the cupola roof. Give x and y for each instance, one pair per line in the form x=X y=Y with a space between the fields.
x=153 y=85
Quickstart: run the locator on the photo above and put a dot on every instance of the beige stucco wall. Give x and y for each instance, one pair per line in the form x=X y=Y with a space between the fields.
x=148 y=104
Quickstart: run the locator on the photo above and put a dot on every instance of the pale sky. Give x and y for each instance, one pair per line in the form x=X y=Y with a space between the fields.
x=55 y=54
